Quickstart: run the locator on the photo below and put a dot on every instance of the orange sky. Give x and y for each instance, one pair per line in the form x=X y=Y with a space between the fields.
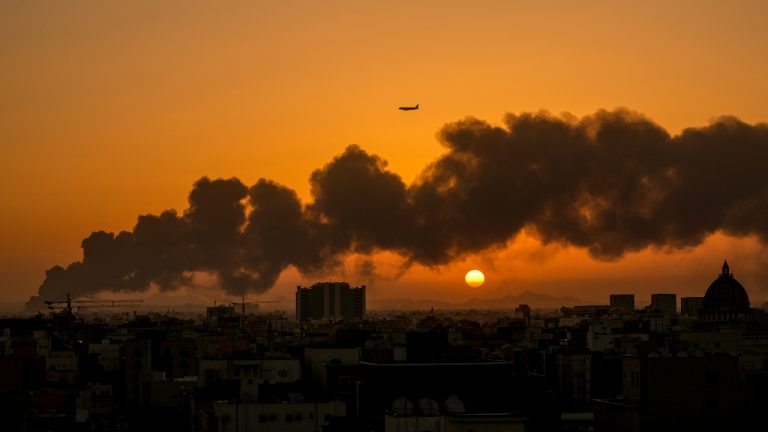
x=110 y=110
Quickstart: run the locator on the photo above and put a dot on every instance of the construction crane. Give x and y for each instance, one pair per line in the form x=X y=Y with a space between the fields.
x=83 y=302
x=243 y=303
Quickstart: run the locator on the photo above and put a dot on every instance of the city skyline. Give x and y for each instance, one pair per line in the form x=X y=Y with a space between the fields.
x=337 y=366
x=114 y=112
x=345 y=216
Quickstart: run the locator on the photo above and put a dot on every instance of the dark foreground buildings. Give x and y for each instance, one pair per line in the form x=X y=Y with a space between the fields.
x=708 y=376
x=335 y=367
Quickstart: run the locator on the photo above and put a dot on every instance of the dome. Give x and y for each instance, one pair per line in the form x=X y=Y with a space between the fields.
x=726 y=293
x=402 y=407
x=454 y=405
x=428 y=407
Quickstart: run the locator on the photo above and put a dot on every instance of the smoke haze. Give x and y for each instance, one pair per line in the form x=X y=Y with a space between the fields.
x=611 y=183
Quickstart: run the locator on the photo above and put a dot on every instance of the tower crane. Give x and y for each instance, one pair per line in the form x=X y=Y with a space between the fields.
x=243 y=303
x=83 y=302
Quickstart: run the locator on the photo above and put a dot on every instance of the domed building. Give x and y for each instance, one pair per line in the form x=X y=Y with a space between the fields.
x=726 y=299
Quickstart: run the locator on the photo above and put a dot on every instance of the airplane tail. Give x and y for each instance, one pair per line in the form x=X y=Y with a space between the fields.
x=417 y=106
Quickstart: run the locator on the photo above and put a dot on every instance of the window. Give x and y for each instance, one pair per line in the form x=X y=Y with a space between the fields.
x=282 y=373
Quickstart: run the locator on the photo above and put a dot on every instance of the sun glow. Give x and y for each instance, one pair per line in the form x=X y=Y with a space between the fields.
x=474 y=278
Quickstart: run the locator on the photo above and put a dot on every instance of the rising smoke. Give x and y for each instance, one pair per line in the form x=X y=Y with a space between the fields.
x=611 y=183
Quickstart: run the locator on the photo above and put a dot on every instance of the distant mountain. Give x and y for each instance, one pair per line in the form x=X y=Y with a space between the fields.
x=534 y=300
x=407 y=304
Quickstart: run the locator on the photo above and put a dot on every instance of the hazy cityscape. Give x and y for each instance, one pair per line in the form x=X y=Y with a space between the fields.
x=357 y=216
x=691 y=363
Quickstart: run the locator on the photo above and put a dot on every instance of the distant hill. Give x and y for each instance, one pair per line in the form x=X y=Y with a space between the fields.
x=535 y=300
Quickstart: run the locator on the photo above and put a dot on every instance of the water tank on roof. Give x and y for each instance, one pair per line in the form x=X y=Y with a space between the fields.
x=454 y=405
x=428 y=407
x=402 y=407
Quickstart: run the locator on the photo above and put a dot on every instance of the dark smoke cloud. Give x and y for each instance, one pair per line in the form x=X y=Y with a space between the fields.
x=611 y=183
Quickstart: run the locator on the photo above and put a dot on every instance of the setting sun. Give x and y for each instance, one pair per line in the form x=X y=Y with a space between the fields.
x=474 y=278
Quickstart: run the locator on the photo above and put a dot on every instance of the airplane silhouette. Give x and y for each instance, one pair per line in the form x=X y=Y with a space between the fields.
x=407 y=108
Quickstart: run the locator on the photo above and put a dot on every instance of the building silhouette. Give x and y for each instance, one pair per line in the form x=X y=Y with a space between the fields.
x=338 y=369
x=330 y=301
x=623 y=303
x=691 y=306
x=666 y=304
x=709 y=375
x=725 y=299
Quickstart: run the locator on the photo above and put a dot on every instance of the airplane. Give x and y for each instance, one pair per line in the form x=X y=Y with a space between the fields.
x=407 y=108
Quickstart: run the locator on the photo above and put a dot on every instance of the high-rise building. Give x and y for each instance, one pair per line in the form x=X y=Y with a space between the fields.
x=665 y=303
x=691 y=306
x=330 y=301
x=623 y=303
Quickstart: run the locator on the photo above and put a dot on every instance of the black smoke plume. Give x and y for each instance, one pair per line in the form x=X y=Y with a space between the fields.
x=611 y=183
